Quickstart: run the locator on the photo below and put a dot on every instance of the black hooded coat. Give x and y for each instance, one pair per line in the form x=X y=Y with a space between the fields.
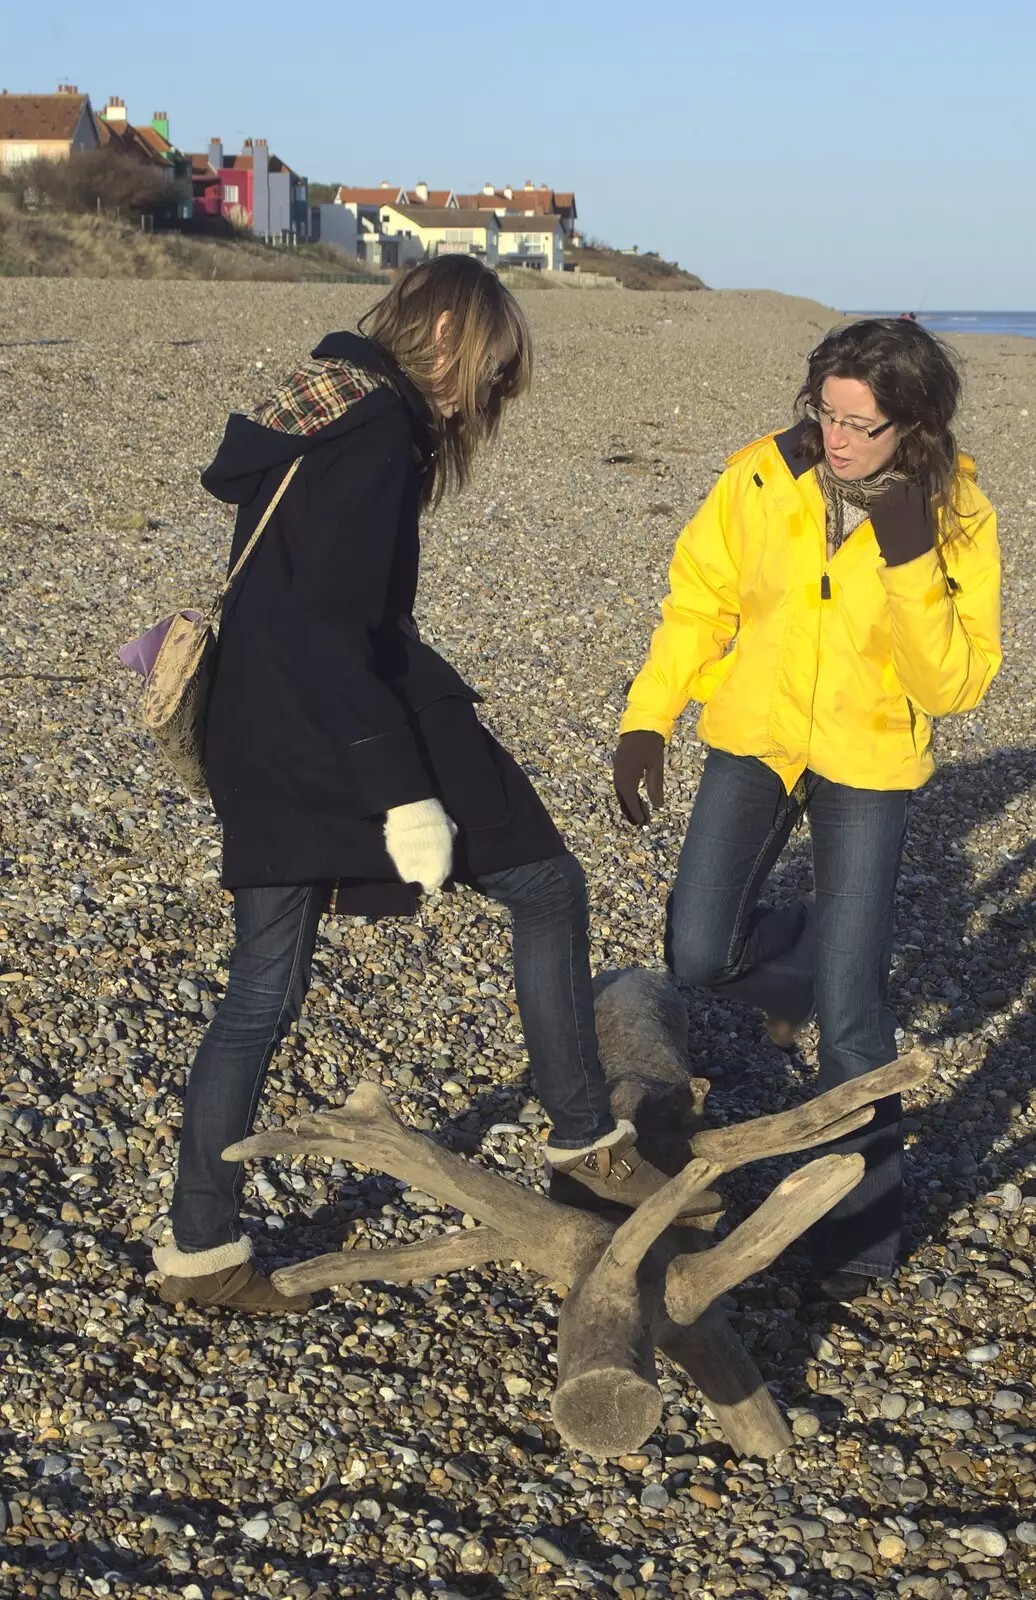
x=326 y=708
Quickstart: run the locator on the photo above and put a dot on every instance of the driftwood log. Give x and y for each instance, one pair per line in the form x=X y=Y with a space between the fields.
x=637 y=1282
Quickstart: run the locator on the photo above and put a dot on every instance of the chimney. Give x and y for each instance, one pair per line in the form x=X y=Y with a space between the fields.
x=115 y=111
x=215 y=153
x=67 y=88
x=508 y=192
x=160 y=123
x=487 y=188
x=543 y=185
x=529 y=184
x=421 y=192
x=385 y=184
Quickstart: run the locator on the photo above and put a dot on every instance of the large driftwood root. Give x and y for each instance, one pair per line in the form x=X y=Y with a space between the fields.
x=636 y=1283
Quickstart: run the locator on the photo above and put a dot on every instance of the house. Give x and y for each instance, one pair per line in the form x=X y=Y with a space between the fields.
x=150 y=146
x=526 y=201
x=363 y=206
x=47 y=126
x=255 y=190
x=334 y=224
x=565 y=209
x=532 y=241
x=416 y=233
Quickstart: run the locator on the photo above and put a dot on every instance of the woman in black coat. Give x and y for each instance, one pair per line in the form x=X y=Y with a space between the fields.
x=345 y=757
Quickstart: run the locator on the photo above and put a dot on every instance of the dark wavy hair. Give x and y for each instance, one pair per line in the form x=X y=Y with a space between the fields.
x=915 y=381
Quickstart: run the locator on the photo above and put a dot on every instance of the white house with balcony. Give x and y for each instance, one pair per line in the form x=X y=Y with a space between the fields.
x=536 y=241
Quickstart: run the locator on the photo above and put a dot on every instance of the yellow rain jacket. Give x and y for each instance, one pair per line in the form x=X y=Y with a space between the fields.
x=833 y=665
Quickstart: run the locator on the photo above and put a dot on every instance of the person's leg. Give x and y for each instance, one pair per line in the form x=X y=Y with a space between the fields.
x=717 y=935
x=548 y=904
x=857 y=844
x=269 y=976
x=551 y=919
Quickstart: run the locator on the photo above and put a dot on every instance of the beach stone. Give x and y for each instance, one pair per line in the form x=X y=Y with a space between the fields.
x=547 y=1550
x=256 y=1527
x=474 y=1556
x=981 y=1354
x=893 y=1406
x=892 y=1548
x=959 y=1419
x=988 y=1541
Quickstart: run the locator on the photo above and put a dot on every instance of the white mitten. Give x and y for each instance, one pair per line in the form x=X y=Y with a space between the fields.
x=419 y=839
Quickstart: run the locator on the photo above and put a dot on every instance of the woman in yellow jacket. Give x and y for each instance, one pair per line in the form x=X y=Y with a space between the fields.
x=838 y=589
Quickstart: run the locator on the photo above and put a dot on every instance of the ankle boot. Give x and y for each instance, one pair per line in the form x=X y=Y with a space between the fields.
x=224 y=1276
x=614 y=1170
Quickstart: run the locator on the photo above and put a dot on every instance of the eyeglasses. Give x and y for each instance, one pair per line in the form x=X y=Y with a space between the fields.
x=827 y=419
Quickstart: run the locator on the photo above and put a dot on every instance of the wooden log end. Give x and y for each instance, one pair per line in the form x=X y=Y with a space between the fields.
x=609 y=1411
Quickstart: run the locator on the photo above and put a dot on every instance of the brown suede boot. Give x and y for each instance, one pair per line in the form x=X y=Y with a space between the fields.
x=613 y=1169
x=225 y=1276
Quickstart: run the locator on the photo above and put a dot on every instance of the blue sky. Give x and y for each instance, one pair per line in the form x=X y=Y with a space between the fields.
x=873 y=154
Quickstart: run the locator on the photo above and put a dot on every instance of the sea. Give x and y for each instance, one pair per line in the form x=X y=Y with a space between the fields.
x=1020 y=323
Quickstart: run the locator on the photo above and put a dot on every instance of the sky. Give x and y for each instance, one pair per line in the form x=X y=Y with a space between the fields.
x=875 y=155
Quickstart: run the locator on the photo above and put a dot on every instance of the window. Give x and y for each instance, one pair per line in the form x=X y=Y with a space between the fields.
x=231 y=194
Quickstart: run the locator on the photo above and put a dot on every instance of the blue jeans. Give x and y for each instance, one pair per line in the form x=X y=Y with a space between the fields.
x=276 y=932
x=829 y=957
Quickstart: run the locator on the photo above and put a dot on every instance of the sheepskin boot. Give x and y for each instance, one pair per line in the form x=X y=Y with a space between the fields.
x=614 y=1170
x=225 y=1276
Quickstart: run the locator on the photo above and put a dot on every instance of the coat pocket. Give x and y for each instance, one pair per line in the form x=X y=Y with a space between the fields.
x=454 y=745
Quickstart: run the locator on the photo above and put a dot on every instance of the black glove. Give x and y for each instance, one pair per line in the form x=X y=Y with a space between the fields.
x=902 y=523
x=638 y=756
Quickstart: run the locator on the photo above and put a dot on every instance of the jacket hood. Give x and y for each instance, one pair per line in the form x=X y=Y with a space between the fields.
x=347 y=381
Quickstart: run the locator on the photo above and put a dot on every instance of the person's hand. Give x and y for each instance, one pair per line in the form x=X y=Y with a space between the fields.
x=419 y=840
x=639 y=757
x=902 y=523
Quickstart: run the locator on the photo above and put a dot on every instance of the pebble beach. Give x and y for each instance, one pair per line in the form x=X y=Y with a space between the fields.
x=394 y=1444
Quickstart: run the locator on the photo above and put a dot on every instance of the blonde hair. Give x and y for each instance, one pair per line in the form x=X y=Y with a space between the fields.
x=462 y=365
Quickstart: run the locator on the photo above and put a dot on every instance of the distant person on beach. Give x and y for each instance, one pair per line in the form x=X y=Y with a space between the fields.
x=838 y=589
x=345 y=758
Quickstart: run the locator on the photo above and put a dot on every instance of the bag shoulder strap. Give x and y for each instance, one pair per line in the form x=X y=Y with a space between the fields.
x=275 y=500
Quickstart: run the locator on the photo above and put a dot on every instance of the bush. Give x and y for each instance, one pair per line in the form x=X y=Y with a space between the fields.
x=92 y=180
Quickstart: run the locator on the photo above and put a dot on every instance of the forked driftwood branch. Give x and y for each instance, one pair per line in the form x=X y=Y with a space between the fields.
x=637 y=1282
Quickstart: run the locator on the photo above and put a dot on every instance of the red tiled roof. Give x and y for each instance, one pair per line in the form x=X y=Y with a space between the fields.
x=131 y=141
x=348 y=196
x=538 y=200
x=157 y=141
x=436 y=197
x=40 y=117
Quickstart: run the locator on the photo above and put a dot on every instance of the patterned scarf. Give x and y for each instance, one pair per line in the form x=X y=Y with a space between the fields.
x=848 y=504
x=317 y=394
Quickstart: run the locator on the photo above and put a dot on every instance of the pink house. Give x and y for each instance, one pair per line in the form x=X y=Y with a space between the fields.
x=254 y=190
